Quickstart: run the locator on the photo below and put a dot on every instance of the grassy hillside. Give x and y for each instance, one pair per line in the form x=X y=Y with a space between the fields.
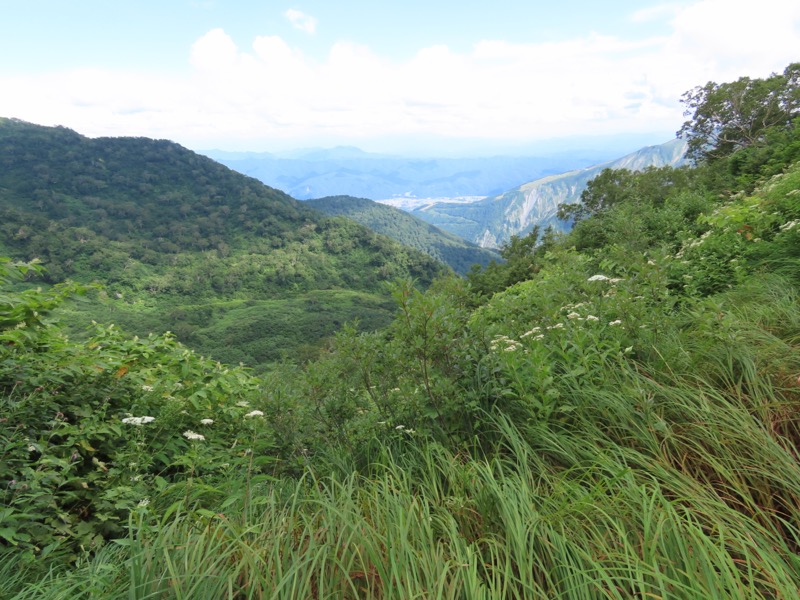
x=409 y=230
x=182 y=243
x=618 y=420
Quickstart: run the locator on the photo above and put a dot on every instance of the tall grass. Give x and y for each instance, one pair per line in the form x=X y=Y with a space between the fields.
x=676 y=476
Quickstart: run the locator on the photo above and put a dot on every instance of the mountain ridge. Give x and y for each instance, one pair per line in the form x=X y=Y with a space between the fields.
x=409 y=230
x=317 y=173
x=493 y=220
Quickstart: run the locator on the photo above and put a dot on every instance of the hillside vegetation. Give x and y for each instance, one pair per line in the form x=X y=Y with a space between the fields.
x=181 y=243
x=409 y=230
x=612 y=413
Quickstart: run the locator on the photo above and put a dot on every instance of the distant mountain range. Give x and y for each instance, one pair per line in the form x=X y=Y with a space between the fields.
x=316 y=173
x=493 y=220
x=409 y=230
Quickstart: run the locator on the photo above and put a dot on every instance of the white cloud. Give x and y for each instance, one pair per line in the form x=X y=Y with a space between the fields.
x=240 y=97
x=301 y=21
x=215 y=50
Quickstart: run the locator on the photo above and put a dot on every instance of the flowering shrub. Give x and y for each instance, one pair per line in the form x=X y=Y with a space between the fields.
x=89 y=430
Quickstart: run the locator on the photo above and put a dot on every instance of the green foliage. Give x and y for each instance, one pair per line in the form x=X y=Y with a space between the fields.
x=622 y=422
x=165 y=230
x=732 y=116
x=523 y=259
x=90 y=431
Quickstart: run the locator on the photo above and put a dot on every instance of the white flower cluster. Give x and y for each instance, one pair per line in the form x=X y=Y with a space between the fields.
x=254 y=413
x=533 y=332
x=699 y=241
x=574 y=315
x=604 y=278
x=790 y=225
x=504 y=343
x=147 y=388
x=138 y=420
x=191 y=435
x=206 y=421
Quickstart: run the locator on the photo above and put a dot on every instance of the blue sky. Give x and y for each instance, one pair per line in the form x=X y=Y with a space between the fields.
x=418 y=77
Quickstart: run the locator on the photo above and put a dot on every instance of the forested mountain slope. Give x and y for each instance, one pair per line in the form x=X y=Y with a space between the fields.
x=185 y=244
x=409 y=230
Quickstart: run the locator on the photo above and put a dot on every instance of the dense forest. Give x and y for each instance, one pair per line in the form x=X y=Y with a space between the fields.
x=611 y=413
x=237 y=270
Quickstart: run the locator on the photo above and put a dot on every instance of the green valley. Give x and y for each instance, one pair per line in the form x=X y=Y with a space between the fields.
x=183 y=244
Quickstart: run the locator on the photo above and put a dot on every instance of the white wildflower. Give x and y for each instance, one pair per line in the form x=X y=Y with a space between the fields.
x=652 y=263
x=143 y=502
x=243 y=404
x=789 y=225
x=399 y=427
x=531 y=332
x=557 y=326
x=509 y=344
x=138 y=420
x=573 y=315
x=592 y=318
x=616 y=279
x=539 y=337
x=31 y=448
x=207 y=421
x=191 y=435
x=410 y=431
x=254 y=413
x=147 y=388
x=615 y=323
x=598 y=278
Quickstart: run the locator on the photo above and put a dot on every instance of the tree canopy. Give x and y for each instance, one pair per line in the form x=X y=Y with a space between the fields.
x=726 y=117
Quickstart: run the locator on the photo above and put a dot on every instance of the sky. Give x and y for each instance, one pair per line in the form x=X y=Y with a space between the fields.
x=417 y=77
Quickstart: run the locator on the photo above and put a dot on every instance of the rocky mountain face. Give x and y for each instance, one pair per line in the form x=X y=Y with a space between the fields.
x=493 y=220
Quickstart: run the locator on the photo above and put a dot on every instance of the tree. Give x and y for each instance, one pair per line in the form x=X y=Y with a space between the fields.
x=610 y=187
x=728 y=117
